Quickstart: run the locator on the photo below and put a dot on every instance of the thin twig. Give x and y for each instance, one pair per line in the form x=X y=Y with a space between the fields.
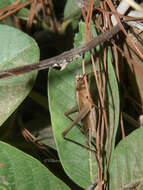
x=66 y=56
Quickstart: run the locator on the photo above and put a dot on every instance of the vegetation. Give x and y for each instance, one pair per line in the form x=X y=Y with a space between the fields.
x=33 y=153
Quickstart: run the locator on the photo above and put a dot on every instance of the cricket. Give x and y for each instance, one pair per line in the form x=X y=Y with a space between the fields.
x=84 y=104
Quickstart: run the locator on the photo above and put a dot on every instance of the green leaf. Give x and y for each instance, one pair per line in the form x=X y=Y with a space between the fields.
x=71 y=9
x=112 y=105
x=62 y=98
x=16 y=49
x=74 y=158
x=127 y=164
x=4 y=3
x=19 y=171
x=23 y=13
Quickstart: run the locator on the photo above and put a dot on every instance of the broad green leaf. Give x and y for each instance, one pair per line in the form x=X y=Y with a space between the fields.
x=16 y=49
x=62 y=98
x=71 y=9
x=19 y=171
x=6 y=3
x=127 y=164
x=75 y=159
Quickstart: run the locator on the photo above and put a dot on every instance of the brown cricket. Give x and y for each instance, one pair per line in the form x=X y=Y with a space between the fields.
x=85 y=115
